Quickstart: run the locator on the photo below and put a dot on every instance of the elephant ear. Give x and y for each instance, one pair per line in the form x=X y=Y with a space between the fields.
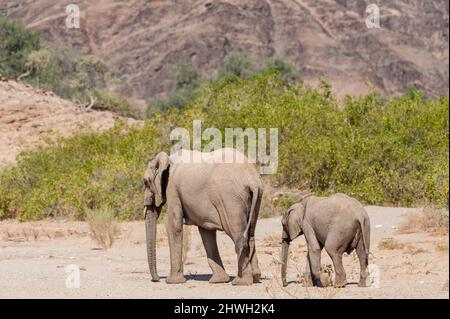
x=293 y=220
x=161 y=162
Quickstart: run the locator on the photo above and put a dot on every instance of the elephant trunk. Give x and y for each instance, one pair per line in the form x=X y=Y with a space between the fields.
x=284 y=260
x=150 y=232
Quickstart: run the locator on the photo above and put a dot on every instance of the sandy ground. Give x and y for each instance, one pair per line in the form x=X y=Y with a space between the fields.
x=34 y=256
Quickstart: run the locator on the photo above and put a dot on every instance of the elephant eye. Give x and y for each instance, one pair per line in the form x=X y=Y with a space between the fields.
x=145 y=182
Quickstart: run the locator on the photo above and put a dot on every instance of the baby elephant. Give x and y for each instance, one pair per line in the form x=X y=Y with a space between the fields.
x=339 y=223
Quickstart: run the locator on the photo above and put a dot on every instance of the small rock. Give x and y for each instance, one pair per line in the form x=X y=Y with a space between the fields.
x=378 y=226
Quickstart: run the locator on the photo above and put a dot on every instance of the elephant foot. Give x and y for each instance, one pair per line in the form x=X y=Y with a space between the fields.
x=256 y=278
x=364 y=282
x=340 y=283
x=242 y=281
x=176 y=279
x=219 y=278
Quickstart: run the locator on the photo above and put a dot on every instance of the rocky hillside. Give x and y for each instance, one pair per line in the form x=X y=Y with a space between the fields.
x=323 y=39
x=29 y=116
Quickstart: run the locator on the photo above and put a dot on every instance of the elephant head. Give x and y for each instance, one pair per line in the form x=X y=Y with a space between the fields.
x=292 y=228
x=155 y=180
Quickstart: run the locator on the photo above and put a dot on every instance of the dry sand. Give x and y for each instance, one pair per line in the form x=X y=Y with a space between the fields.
x=33 y=257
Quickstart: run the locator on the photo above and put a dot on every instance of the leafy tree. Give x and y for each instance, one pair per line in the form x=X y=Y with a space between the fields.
x=16 y=42
x=185 y=76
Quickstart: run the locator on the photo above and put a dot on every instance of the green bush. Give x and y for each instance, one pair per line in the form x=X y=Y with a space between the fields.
x=381 y=152
x=116 y=103
x=86 y=171
x=236 y=65
x=68 y=73
x=286 y=72
x=184 y=91
x=16 y=42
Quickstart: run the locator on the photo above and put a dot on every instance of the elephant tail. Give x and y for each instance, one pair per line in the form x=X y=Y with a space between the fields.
x=243 y=243
x=364 y=222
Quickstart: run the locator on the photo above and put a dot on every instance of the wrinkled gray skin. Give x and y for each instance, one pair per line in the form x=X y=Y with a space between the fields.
x=339 y=223
x=213 y=196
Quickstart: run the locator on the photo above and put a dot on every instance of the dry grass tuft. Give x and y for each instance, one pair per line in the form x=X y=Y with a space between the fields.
x=103 y=227
x=390 y=244
x=272 y=241
x=441 y=246
x=275 y=289
x=429 y=220
x=413 y=250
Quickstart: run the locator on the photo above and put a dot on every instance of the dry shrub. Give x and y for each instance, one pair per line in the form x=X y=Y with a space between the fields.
x=429 y=220
x=327 y=275
x=413 y=250
x=441 y=246
x=274 y=288
x=390 y=244
x=103 y=227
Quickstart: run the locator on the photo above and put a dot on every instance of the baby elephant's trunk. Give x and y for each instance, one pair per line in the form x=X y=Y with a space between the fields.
x=284 y=260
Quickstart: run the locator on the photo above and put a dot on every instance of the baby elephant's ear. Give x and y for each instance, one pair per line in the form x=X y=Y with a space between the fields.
x=286 y=215
x=294 y=220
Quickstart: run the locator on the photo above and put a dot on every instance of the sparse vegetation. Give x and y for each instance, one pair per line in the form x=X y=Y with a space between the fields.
x=15 y=45
x=441 y=246
x=62 y=70
x=390 y=244
x=185 y=90
x=429 y=220
x=103 y=227
x=413 y=250
x=116 y=103
x=236 y=65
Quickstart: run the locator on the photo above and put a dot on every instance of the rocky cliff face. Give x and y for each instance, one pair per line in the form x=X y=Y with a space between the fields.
x=325 y=39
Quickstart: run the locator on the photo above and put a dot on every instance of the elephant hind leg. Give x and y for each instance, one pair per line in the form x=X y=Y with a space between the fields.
x=209 y=240
x=244 y=276
x=363 y=264
x=256 y=272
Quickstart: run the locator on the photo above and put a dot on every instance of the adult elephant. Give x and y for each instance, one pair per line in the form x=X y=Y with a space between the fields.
x=207 y=190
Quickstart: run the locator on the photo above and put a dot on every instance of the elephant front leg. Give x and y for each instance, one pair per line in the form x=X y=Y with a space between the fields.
x=314 y=265
x=175 y=234
x=209 y=240
x=307 y=278
x=314 y=254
